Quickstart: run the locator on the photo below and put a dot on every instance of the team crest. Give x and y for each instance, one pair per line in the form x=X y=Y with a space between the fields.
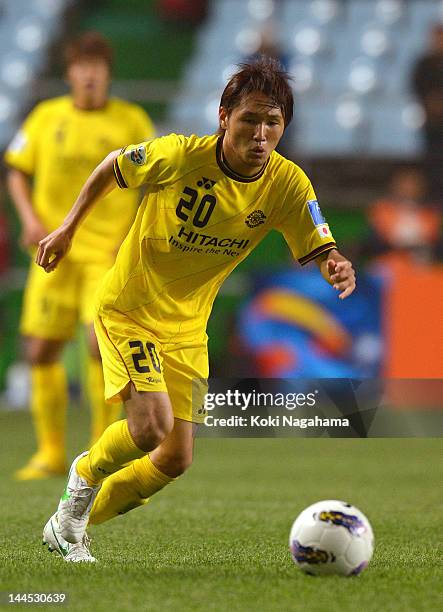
x=60 y=134
x=138 y=155
x=256 y=218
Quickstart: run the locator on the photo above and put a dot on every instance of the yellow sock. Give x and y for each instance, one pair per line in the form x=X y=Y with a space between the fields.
x=127 y=489
x=102 y=413
x=112 y=450
x=49 y=400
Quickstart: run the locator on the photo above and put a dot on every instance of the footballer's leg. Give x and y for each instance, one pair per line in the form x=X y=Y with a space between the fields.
x=174 y=456
x=102 y=413
x=149 y=421
x=49 y=399
x=149 y=418
x=185 y=370
x=49 y=318
x=135 y=484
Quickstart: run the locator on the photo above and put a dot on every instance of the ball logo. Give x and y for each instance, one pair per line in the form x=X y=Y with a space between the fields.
x=349 y=521
x=309 y=554
x=255 y=219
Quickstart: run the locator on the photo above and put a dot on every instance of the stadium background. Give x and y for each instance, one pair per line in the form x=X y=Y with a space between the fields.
x=355 y=123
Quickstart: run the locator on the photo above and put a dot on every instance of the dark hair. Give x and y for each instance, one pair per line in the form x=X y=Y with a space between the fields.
x=88 y=45
x=266 y=75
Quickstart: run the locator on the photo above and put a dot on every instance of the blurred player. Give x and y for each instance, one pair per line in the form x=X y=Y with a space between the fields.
x=209 y=201
x=58 y=146
x=403 y=224
x=427 y=84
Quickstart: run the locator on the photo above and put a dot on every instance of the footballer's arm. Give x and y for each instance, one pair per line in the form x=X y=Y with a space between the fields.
x=337 y=271
x=55 y=246
x=19 y=187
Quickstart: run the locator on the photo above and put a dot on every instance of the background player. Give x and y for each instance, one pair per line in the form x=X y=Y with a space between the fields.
x=58 y=146
x=209 y=202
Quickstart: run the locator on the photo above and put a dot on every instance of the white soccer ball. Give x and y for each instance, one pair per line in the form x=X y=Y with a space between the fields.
x=331 y=537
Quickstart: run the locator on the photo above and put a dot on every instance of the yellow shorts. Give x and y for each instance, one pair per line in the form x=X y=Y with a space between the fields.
x=131 y=353
x=55 y=302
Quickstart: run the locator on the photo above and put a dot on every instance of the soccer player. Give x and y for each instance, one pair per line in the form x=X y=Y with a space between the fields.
x=209 y=201
x=58 y=146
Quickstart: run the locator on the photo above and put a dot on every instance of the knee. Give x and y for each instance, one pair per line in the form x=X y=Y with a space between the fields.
x=174 y=464
x=42 y=352
x=149 y=432
x=180 y=464
x=94 y=351
x=34 y=356
x=148 y=436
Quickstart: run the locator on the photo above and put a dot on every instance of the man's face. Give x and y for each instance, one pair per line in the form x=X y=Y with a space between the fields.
x=89 y=79
x=252 y=131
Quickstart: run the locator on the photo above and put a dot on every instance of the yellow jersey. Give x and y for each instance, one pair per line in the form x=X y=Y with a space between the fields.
x=59 y=145
x=197 y=221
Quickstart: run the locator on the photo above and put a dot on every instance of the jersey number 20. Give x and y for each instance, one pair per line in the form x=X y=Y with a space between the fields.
x=204 y=209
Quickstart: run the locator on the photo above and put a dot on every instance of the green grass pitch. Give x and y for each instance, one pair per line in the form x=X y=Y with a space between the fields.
x=217 y=538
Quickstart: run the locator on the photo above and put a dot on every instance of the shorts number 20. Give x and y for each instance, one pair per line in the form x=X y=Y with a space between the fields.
x=140 y=356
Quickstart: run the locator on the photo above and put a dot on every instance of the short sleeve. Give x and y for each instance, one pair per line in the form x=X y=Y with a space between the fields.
x=156 y=162
x=301 y=221
x=22 y=151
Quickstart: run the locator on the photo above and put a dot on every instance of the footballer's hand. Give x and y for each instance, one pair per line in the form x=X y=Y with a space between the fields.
x=342 y=276
x=53 y=248
x=33 y=231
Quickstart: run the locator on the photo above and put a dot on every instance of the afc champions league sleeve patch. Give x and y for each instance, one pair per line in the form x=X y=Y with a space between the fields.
x=319 y=221
x=18 y=143
x=137 y=155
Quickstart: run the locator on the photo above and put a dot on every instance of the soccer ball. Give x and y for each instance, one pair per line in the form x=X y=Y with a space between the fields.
x=331 y=537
